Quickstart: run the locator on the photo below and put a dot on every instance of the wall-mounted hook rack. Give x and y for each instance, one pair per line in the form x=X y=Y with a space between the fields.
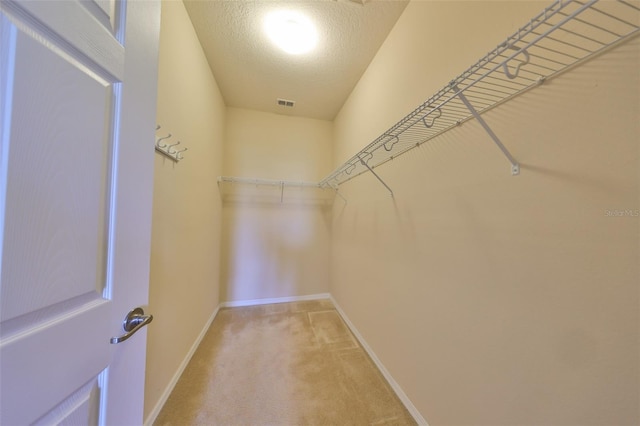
x=165 y=148
x=179 y=153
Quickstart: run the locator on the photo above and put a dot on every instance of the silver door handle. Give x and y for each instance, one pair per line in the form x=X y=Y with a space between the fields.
x=134 y=321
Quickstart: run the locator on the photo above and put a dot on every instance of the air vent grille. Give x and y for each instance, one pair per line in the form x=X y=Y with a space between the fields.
x=286 y=103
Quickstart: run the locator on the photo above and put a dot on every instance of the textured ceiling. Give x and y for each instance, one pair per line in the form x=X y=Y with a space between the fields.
x=252 y=73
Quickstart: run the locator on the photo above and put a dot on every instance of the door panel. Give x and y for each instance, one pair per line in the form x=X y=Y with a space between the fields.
x=54 y=238
x=43 y=366
x=81 y=408
x=72 y=27
x=104 y=11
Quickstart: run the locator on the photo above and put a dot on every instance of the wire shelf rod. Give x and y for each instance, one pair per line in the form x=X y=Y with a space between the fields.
x=606 y=30
x=582 y=36
x=532 y=67
x=492 y=91
x=488 y=80
x=566 y=43
x=629 y=5
x=267 y=182
x=499 y=88
x=617 y=18
x=557 y=52
x=500 y=93
x=553 y=61
x=563 y=54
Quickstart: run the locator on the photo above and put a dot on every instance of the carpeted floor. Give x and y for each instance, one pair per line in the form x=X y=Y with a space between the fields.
x=282 y=364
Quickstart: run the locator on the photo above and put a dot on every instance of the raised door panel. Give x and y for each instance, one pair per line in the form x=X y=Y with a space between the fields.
x=40 y=384
x=55 y=227
x=75 y=26
x=104 y=11
x=79 y=409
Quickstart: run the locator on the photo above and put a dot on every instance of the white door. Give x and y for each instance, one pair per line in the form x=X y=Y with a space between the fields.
x=77 y=122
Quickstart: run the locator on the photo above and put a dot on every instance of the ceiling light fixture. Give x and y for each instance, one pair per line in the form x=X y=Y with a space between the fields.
x=291 y=31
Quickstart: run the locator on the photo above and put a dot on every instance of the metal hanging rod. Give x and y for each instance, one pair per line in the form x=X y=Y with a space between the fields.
x=166 y=148
x=267 y=182
x=563 y=35
x=227 y=184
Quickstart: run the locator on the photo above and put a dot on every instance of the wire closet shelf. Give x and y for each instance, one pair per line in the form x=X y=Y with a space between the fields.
x=239 y=187
x=563 y=35
x=267 y=182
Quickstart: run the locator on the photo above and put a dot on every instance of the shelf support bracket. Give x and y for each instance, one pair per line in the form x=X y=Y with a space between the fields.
x=281 y=192
x=340 y=195
x=515 y=167
x=376 y=175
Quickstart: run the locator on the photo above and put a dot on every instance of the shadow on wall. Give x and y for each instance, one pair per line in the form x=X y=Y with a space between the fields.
x=275 y=245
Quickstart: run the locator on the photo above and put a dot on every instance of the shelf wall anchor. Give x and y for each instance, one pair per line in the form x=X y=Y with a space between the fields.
x=515 y=167
x=281 y=192
x=340 y=195
x=376 y=175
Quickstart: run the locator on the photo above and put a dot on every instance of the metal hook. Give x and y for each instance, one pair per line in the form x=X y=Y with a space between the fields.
x=520 y=64
x=159 y=139
x=170 y=146
x=435 y=117
x=395 y=140
x=349 y=169
x=367 y=156
x=178 y=156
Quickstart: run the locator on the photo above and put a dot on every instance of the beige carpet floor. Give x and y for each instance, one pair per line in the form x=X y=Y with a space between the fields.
x=282 y=364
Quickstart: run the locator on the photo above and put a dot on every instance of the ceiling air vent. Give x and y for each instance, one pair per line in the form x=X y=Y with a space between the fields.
x=286 y=103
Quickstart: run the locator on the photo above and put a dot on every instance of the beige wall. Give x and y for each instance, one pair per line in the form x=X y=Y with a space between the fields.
x=494 y=299
x=272 y=248
x=186 y=210
x=491 y=299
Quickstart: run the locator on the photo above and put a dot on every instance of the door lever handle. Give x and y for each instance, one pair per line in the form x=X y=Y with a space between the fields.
x=134 y=321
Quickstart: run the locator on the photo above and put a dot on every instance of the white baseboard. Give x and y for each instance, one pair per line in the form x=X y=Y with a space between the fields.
x=153 y=415
x=268 y=301
x=396 y=387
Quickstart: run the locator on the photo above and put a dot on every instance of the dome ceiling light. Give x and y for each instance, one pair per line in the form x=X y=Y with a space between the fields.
x=291 y=31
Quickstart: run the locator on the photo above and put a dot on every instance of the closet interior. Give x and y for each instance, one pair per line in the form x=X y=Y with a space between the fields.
x=476 y=226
